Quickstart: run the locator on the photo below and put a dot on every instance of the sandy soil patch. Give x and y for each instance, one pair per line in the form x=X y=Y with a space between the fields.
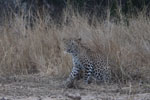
x=37 y=87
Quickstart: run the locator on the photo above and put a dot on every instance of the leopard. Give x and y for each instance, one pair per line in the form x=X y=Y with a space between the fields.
x=86 y=62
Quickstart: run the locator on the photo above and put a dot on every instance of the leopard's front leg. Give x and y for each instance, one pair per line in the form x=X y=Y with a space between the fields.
x=88 y=72
x=73 y=75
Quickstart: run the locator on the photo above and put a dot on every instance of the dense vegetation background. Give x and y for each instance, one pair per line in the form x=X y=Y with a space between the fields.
x=31 y=32
x=56 y=7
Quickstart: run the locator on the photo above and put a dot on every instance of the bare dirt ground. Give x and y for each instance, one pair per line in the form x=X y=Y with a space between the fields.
x=38 y=87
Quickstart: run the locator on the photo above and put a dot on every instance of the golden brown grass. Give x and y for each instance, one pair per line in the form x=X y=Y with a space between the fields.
x=26 y=50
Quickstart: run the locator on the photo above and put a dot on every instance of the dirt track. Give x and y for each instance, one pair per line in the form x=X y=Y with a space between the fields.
x=37 y=87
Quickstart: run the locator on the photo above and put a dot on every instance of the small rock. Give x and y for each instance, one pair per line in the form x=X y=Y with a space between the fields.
x=4 y=99
x=73 y=96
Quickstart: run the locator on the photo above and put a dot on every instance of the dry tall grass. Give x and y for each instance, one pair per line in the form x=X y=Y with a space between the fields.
x=26 y=50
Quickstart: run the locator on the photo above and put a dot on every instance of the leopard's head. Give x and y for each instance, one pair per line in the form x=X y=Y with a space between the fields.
x=71 y=45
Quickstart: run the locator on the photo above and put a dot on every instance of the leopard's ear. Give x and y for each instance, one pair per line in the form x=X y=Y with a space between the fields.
x=63 y=40
x=79 y=39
